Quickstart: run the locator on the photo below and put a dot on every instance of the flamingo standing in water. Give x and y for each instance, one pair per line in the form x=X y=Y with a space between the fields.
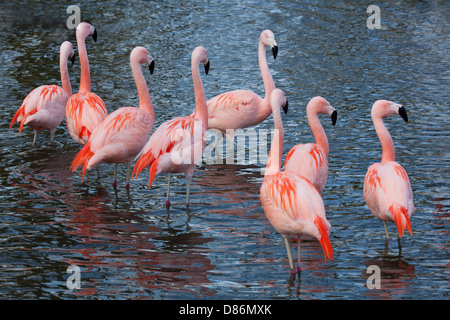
x=239 y=109
x=177 y=145
x=311 y=160
x=84 y=110
x=292 y=204
x=123 y=133
x=387 y=189
x=43 y=108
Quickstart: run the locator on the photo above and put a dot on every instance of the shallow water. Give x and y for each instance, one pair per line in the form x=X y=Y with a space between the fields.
x=129 y=246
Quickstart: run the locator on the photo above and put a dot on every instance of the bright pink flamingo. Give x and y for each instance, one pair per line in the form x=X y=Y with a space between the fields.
x=387 y=190
x=292 y=204
x=84 y=110
x=239 y=109
x=311 y=160
x=43 y=108
x=123 y=133
x=177 y=145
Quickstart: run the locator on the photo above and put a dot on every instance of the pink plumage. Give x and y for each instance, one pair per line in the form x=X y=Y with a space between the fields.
x=43 y=108
x=84 y=110
x=239 y=109
x=123 y=133
x=387 y=190
x=291 y=203
x=311 y=160
x=177 y=145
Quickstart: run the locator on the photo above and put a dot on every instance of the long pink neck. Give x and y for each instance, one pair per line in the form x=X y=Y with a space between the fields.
x=145 y=102
x=85 y=77
x=201 y=109
x=318 y=131
x=65 y=81
x=269 y=85
x=276 y=150
x=387 y=144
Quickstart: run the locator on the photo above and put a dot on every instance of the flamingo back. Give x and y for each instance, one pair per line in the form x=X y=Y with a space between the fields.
x=310 y=161
x=43 y=108
x=388 y=194
x=84 y=111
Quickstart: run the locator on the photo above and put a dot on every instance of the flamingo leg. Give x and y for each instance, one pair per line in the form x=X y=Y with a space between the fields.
x=52 y=134
x=386 y=230
x=34 y=139
x=298 y=255
x=291 y=263
x=128 y=175
x=168 y=192
x=115 y=175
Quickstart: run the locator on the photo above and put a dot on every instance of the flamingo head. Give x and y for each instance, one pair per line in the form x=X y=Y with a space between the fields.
x=199 y=55
x=85 y=29
x=319 y=105
x=141 y=55
x=268 y=39
x=384 y=108
x=67 y=51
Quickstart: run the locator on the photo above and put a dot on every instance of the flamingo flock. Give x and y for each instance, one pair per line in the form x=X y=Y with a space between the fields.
x=291 y=198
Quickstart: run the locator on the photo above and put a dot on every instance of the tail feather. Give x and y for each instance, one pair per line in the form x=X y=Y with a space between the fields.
x=145 y=160
x=398 y=211
x=152 y=171
x=82 y=158
x=20 y=112
x=324 y=240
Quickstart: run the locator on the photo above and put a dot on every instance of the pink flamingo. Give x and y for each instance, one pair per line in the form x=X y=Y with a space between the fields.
x=239 y=109
x=123 y=133
x=292 y=204
x=177 y=145
x=43 y=108
x=387 y=189
x=311 y=160
x=84 y=110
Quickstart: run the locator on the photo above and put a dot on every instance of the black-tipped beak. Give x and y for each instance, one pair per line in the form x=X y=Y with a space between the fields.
x=151 y=67
x=275 y=51
x=402 y=113
x=334 y=117
x=285 y=107
x=73 y=58
x=94 y=35
x=207 y=67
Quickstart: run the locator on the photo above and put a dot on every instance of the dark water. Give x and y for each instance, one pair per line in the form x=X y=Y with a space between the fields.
x=128 y=246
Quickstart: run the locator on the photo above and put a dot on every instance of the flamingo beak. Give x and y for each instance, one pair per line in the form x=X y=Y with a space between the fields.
x=151 y=66
x=94 y=35
x=334 y=117
x=275 y=51
x=402 y=113
x=73 y=58
x=285 y=107
x=207 y=67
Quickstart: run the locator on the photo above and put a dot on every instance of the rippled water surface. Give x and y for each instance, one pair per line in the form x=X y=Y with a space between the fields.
x=129 y=246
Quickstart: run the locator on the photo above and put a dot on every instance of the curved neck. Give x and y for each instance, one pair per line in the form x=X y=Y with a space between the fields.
x=318 y=131
x=201 y=109
x=265 y=72
x=387 y=145
x=85 y=77
x=65 y=81
x=145 y=102
x=276 y=150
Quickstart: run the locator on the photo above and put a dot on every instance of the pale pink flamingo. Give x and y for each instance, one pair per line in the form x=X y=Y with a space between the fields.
x=387 y=189
x=239 y=109
x=43 y=108
x=292 y=204
x=311 y=160
x=84 y=110
x=177 y=145
x=123 y=133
